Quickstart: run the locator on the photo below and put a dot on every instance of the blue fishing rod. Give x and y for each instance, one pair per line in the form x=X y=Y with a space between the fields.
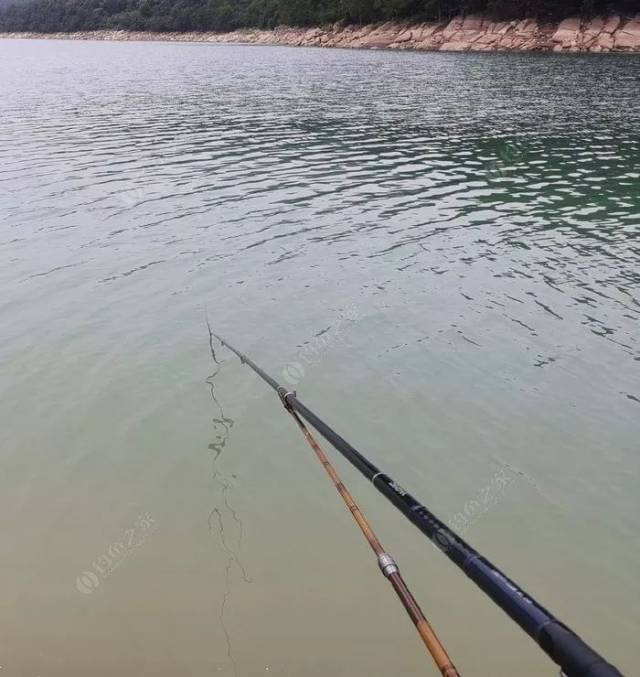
x=574 y=656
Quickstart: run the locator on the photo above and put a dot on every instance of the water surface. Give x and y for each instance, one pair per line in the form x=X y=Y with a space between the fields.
x=439 y=251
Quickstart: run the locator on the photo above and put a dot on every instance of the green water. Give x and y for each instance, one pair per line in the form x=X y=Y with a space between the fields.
x=439 y=252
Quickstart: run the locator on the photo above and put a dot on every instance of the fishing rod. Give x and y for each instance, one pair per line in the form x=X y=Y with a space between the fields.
x=575 y=657
x=387 y=564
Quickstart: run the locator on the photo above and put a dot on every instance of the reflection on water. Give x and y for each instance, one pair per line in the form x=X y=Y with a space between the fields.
x=475 y=216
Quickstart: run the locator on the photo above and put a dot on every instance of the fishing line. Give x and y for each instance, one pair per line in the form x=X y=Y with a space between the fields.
x=222 y=427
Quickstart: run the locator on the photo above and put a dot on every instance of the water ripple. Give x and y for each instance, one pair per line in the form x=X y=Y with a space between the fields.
x=433 y=171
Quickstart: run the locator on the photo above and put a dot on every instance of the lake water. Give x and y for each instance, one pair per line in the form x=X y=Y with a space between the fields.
x=438 y=251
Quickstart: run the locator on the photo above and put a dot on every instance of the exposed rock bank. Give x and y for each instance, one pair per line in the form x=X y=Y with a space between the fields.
x=461 y=34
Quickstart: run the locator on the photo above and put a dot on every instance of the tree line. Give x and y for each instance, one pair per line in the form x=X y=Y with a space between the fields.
x=48 y=16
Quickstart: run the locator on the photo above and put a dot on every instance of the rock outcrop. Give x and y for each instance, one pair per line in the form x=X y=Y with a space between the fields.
x=628 y=37
x=461 y=34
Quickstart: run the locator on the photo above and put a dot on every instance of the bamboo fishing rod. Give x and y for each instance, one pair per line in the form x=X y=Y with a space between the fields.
x=387 y=564
x=558 y=641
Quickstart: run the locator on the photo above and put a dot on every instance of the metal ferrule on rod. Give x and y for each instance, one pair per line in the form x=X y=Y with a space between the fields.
x=387 y=565
x=562 y=645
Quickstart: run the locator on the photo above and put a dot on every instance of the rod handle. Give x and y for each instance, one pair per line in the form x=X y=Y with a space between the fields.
x=570 y=651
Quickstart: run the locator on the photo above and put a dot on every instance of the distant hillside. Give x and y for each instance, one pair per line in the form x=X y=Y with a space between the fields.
x=49 y=16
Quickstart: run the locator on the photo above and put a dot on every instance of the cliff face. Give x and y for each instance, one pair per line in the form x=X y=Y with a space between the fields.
x=461 y=34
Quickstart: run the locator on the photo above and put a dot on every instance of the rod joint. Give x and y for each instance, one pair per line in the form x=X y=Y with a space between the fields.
x=283 y=393
x=387 y=564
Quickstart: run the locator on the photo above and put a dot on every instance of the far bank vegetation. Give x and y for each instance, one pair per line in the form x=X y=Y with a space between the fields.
x=47 y=16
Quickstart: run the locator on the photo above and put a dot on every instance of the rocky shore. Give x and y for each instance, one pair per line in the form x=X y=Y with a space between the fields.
x=461 y=34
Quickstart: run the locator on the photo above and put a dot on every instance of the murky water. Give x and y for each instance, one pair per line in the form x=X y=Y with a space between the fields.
x=440 y=252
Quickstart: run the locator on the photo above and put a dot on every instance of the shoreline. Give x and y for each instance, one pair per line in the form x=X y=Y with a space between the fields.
x=461 y=34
